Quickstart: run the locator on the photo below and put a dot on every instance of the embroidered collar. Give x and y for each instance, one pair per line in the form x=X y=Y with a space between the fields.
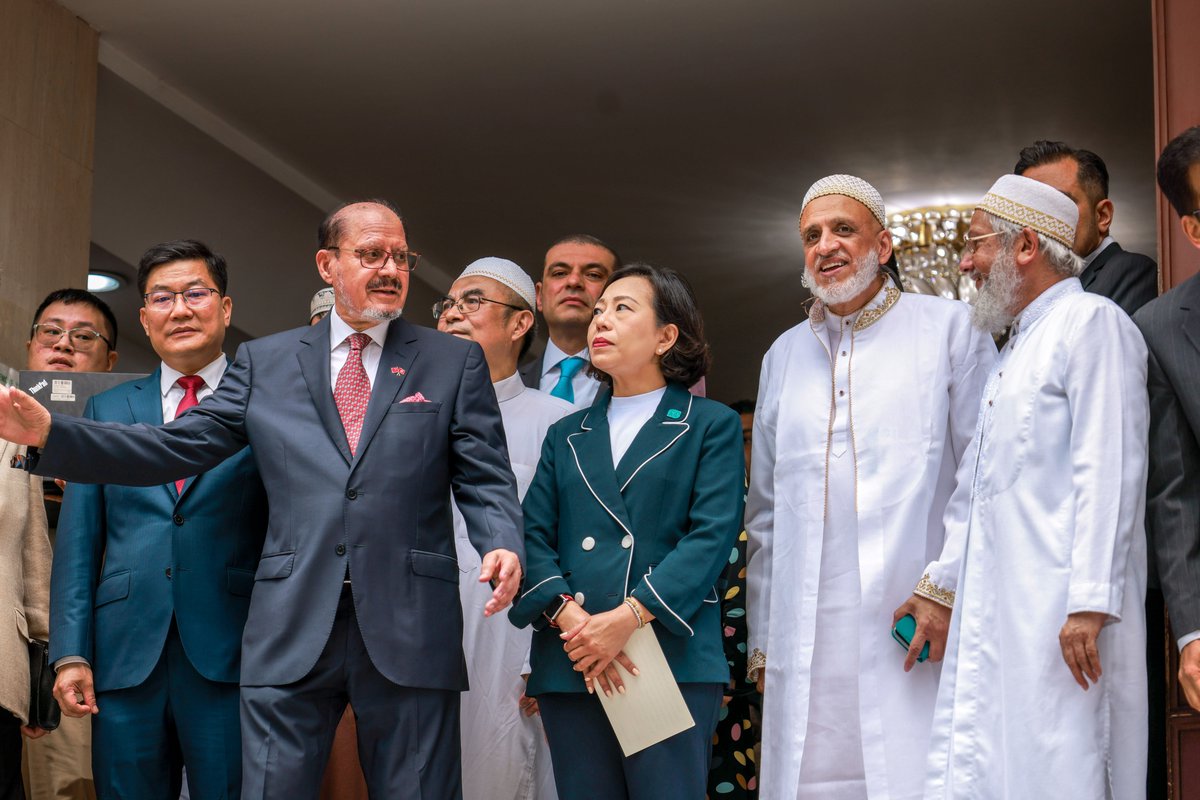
x=1042 y=304
x=872 y=312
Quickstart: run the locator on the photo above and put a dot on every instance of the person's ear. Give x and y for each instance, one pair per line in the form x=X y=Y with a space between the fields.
x=522 y=322
x=1027 y=247
x=667 y=336
x=1191 y=229
x=1104 y=216
x=537 y=290
x=325 y=265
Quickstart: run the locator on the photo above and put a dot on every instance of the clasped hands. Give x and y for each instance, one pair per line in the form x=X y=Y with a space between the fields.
x=595 y=641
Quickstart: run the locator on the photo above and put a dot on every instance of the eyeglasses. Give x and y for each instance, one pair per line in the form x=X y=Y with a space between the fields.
x=82 y=339
x=195 y=297
x=377 y=258
x=466 y=305
x=971 y=243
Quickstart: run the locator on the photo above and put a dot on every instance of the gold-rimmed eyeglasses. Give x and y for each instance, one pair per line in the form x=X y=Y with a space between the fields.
x=971 y=243
x=377 y=258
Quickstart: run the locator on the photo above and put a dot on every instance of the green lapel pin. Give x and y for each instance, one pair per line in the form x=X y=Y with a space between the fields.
x=674 y=413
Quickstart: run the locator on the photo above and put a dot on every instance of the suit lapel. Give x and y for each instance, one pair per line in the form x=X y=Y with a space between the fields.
x=145 y=404
x=592 y=450
x=1088 y=276
x=314 y=366
x=399 y=352
x=1190 y=303
x=670 y=421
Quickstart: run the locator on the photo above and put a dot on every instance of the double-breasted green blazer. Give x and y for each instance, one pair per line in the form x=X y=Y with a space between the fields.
x=659 y=527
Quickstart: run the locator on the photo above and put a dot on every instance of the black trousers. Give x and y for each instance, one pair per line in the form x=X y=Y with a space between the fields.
x=10 y=757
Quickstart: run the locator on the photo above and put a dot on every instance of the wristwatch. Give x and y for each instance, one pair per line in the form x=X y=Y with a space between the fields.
x=555 y=608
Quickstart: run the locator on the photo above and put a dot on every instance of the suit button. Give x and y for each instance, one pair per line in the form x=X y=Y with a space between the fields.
x=351 y=493
x=168 y=573
x=627 y=541
x=579 y=598
x=340 y=549
x=177 y=519
x=588 y=543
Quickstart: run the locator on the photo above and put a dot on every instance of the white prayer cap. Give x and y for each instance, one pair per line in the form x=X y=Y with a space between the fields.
x=848 y=186
x=322 y=302
x=506 y=272
x=1033 y=204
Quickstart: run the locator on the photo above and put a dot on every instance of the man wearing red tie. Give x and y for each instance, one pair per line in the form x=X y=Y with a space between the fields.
x=151 y=585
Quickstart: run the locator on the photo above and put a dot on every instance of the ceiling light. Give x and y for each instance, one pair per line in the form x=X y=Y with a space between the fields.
x=104 y=282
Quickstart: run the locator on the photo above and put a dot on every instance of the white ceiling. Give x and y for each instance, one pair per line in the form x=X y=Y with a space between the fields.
x=683 y=133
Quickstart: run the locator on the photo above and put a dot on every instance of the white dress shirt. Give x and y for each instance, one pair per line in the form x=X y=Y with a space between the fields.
x=585 y=386
x=339 y=348
x=172 y=392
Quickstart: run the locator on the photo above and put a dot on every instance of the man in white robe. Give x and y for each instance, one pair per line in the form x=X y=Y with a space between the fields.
x=504 y=751
x=1043 y=692
x=864 y=412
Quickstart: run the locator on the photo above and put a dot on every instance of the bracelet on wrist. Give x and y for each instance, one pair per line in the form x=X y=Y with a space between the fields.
x=637 y=612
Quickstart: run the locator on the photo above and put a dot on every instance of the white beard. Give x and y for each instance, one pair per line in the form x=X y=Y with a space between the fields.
x=990 y=312
x=866 y=269
x=379 y=315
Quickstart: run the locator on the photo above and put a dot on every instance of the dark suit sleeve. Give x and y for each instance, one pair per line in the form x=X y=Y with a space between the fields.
x=484 y=487
x=78 y=556
x=86 y=451
x=683 y=579
x=1134 y=281
x=1173 y=502
x=543 y=576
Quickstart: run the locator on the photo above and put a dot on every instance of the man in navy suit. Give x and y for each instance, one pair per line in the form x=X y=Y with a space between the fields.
x=151 y=585
x=362 y=426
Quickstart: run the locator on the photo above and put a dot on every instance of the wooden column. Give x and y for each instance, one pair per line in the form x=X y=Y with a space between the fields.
x=47 y=119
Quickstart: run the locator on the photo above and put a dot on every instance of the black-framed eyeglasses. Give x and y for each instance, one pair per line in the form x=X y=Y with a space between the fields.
x=466 y=305
x=194 y=297
x=377 y=258
x=82 y=339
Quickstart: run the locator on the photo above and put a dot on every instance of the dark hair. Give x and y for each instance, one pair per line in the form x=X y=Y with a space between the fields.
x=71 y=297
x=182 y=250
x=586 y=238
x=674 y=304
x=1173 y=167
x=330 y=231
x=743 y=406
x=1092 y=174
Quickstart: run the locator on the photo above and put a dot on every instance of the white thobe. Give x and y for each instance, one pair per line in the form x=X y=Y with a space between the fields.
x=504 y=753
x=911 y=380
x=1048 y=521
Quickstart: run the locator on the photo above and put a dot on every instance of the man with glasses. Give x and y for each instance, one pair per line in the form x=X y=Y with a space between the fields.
x=362 y=426
x=151 y=585
x=73 y=331
x=504 y=751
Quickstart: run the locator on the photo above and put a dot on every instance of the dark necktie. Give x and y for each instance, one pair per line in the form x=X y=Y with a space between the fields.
x=191 y=385
x=353 y=390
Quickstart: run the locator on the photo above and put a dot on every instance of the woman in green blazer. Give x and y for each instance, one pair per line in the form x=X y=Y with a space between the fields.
x=632 y=514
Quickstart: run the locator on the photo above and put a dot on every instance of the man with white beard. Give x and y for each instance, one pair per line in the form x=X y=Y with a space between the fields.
x=864 y=412
x=1045 y=547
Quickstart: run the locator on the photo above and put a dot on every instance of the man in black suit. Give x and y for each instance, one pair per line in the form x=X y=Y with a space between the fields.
x=576 y=268
x=1128 y=279
x=362 y=426
x=1171 y=326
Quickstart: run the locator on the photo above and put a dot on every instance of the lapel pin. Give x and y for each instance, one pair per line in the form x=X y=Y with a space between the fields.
x=674 y=413
x=398 y=370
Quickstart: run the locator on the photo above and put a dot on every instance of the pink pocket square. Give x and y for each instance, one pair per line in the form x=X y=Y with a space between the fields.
x=415 y=398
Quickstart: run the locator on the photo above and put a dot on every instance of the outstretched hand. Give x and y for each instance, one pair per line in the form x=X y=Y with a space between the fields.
x=23 y=420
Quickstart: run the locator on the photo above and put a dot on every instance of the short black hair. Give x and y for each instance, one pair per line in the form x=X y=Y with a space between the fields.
x=71 y=297
x=182 y=250
x=1174 y=166
x=674 y=304
x=586 y=238
x=1092 y=173
x=743 y=406
x=330 y=231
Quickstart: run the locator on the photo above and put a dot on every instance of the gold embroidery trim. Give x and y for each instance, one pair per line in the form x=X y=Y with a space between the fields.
x=869 y=316
x=756 y=662
x=931 y=591
x=1021 y=214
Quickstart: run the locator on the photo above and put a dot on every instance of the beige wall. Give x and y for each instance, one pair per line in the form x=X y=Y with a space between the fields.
x=47 y=122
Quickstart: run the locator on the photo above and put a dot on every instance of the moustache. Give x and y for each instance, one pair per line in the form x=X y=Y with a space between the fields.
x=384 y=283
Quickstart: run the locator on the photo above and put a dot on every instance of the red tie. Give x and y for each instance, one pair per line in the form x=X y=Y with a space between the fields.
x=353 y=390
x=191 y=384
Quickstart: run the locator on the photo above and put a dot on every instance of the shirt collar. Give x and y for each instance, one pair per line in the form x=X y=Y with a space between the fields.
x=554 y=355
x=510 y=387
x=1042 y=304
x=876 y=307
x=339 y=330
x=211 y=373
x=1104 y=243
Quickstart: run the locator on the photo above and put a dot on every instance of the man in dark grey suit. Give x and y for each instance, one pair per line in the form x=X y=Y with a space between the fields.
x=1171 y=326
x=1128 y=279
x=362 y=425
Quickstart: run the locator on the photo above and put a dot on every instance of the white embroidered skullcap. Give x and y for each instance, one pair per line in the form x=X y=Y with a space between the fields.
x=1033 y=204
x=848 y=186
x=322 y=302
x=506 y=272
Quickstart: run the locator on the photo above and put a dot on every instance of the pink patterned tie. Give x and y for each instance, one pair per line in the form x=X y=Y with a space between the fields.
x=353 y=390
x=191 y=384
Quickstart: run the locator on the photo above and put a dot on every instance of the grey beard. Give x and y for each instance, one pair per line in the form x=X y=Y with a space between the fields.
x=866 y=269
x=990 y=312
x=382 y=316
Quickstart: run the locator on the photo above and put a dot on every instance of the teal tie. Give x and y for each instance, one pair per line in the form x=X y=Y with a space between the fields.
x=569 y=367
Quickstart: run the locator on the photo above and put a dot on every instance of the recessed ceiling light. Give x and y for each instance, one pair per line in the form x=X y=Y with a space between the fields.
x=103 y=282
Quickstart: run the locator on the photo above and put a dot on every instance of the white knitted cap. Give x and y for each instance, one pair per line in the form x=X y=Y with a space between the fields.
x=848 y=186
x=507 y=273
x=1033 y=204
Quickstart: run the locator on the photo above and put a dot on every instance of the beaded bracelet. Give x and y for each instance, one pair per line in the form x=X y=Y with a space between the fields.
x=636 y=612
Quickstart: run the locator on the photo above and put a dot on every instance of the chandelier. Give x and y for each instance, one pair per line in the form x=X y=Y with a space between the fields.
x=928 y=243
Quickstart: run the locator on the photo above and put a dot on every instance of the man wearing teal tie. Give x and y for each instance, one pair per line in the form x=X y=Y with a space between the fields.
x=575 y=270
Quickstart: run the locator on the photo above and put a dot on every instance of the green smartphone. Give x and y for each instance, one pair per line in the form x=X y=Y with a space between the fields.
x=903 y=632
